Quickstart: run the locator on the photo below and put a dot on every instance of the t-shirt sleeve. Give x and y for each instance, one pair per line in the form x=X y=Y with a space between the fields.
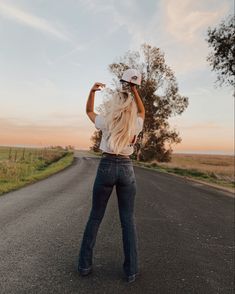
x=99 y=122
x=139 y=124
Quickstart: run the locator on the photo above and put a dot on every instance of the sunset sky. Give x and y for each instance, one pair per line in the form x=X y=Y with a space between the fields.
x=52 y=52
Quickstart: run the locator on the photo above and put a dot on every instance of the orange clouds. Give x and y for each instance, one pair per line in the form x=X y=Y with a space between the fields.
x=207 y=136
x=14 y=133
x=195 y=137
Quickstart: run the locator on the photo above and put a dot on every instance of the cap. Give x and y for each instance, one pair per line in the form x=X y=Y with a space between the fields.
x=131 y=76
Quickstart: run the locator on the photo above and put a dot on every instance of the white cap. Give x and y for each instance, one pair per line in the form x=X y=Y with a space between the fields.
x=131 y=76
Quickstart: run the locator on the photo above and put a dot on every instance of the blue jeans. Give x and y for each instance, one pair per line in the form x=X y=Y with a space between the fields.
x=112 y=171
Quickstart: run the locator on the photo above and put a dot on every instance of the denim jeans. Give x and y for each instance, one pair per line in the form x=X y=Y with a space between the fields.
x=119 y=172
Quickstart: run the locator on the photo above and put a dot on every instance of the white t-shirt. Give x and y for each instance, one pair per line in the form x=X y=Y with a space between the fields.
x=101 y=125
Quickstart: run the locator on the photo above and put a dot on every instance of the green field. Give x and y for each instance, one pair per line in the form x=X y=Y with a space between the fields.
x=21 y=166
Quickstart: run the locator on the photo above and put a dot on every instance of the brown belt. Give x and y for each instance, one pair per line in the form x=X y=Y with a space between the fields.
x=119 y=155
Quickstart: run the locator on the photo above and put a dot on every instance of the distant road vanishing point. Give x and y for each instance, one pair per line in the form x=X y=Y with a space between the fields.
x=185 y=236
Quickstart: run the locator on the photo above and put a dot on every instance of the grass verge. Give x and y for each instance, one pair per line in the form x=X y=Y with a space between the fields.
x=40 y=174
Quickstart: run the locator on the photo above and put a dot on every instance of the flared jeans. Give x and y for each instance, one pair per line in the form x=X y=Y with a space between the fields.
x=112 y=171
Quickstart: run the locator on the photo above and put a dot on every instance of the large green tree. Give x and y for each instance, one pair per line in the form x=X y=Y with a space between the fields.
x=160 y=94
x=222 y=40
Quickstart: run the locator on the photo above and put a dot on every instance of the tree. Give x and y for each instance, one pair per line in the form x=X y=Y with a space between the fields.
x=160 y=94
x=96 y=138
x=222 y=40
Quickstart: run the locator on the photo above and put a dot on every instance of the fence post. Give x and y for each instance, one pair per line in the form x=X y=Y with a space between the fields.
x=15 y=155
x=9 y=155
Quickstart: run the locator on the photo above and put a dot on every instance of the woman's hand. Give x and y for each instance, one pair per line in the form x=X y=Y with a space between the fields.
x=133 y=86
x=96 y=87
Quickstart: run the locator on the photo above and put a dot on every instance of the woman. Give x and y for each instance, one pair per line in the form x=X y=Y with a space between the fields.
x=121 y=122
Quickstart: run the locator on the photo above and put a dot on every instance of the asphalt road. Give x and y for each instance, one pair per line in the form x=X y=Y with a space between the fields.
x=185 y=233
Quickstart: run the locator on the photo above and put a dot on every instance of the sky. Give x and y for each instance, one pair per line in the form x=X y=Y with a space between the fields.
x=52 y=52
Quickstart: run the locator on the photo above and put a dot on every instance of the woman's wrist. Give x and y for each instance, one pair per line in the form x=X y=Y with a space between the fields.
x=133 y=87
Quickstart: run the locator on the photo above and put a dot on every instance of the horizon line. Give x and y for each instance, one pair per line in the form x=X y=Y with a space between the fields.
x=199 y=152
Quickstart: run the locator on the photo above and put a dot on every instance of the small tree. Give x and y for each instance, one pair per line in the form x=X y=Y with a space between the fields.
x=160 y=94
x=222 y=40
x=96 y=138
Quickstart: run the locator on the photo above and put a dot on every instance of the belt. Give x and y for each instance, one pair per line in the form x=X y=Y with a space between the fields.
x=111 y=154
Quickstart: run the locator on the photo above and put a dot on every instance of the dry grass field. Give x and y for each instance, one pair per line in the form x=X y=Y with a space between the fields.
x=214 y=168
x=220 y=165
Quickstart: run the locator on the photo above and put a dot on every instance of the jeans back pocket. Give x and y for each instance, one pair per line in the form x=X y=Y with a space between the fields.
x=128 y=170
x=104 y=168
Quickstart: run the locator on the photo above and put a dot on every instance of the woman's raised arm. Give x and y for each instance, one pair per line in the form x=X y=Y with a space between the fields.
x=139 y=103
x=90 y=101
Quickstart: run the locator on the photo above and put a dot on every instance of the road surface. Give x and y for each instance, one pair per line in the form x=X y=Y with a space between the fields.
x=185 y=235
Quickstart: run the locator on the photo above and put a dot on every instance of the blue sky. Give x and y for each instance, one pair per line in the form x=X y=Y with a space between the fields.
x=53 y=51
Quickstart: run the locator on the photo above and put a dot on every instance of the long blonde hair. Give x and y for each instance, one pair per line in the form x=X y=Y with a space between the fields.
x=120 y=112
